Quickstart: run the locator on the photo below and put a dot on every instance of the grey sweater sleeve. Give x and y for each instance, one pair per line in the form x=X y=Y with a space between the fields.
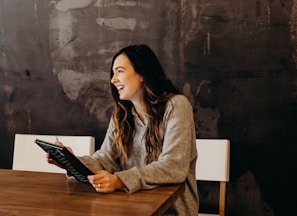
x=106 y=157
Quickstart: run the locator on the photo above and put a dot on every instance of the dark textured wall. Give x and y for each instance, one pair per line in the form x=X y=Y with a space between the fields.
x=235 y=59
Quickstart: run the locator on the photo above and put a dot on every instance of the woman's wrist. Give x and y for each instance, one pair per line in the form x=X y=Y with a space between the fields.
x=118 y=183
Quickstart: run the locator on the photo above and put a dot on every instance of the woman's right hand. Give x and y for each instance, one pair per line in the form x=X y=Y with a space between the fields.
x=51 y=160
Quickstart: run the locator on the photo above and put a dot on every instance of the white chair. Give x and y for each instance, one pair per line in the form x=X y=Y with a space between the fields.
x=213 y=165
x=30 y=157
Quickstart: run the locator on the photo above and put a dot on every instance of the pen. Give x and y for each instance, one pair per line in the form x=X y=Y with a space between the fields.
x=57 y=139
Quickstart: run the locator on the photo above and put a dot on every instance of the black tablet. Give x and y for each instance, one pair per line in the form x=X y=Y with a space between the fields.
x=67 y=160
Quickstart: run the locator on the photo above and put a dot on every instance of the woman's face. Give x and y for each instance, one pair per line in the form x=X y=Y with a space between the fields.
x=128 y=83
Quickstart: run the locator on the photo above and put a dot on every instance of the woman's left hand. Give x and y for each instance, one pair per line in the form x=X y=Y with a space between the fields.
x=105 y=182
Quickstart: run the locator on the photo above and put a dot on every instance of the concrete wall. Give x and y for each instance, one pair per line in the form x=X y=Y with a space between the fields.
x=235 y=59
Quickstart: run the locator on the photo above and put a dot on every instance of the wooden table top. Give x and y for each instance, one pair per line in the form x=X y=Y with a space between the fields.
x=38 y=193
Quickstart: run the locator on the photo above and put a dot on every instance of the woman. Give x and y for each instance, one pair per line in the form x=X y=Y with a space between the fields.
x=150 y=140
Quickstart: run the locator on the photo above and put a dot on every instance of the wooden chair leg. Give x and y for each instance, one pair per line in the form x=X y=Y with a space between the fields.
x=222 y=200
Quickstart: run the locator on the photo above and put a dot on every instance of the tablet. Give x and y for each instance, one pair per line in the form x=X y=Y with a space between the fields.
x=67 y=160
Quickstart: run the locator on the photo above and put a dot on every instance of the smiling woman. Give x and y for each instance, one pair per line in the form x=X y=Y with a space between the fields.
x=127 y=81
x=151 y=138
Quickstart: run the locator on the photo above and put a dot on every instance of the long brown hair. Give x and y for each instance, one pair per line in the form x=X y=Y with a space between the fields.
x=158 y=90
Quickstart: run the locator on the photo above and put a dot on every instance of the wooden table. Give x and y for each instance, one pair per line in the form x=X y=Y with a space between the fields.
x=37 y=193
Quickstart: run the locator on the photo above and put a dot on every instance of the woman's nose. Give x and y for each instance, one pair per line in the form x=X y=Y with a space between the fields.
x=113 y=79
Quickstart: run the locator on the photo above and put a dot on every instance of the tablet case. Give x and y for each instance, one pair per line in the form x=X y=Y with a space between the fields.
x=67 y=160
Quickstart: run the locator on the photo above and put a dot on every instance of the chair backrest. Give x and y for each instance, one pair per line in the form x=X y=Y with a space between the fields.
x=30 y=157
x=213 y=165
